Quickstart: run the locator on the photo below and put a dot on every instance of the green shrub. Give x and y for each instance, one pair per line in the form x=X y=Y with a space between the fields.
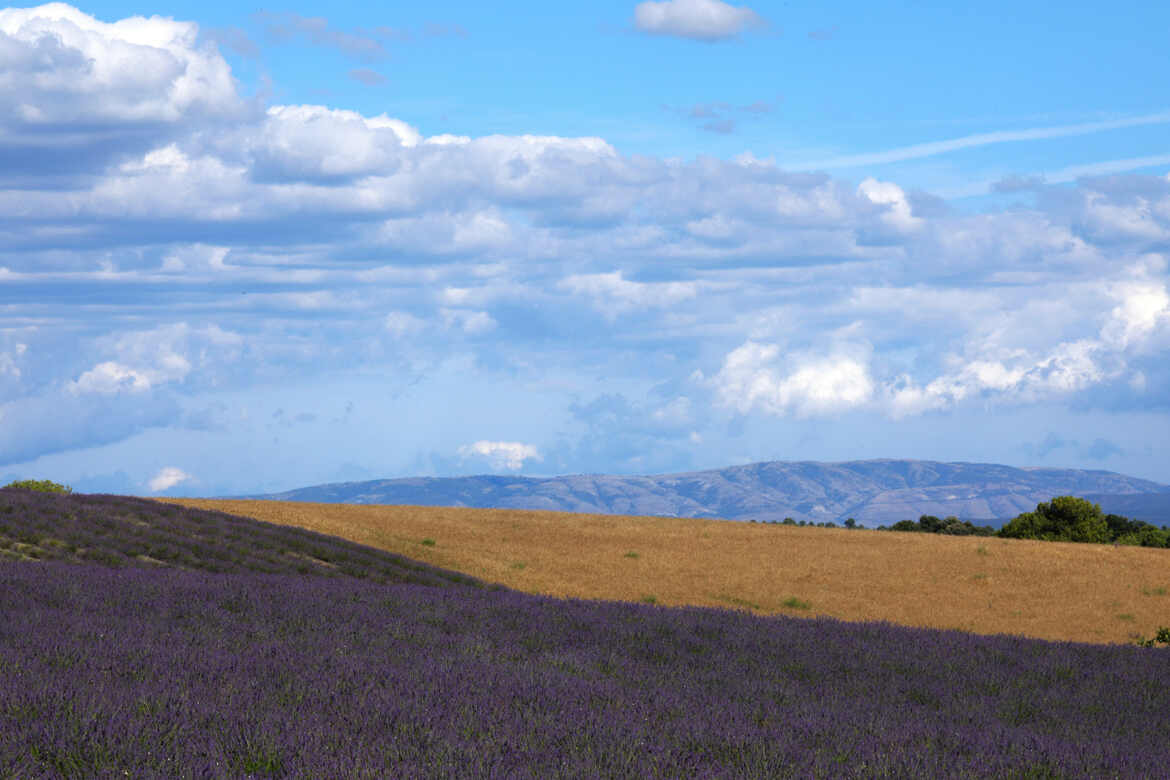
x=1161 y=638
x=1063 y=519
x=1071 y=519
x=41 y=486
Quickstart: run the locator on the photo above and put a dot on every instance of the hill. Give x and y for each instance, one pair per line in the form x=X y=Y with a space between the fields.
x=1049 y=590
x=163 y=641
x=127 y=532
x=874 y=492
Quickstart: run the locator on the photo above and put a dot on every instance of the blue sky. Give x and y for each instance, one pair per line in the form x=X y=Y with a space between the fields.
x=249 y=249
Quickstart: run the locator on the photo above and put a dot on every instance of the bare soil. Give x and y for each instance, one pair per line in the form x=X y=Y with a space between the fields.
x=1047 y=590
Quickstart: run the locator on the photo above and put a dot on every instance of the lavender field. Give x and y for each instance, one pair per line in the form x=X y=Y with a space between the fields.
x=125 y=667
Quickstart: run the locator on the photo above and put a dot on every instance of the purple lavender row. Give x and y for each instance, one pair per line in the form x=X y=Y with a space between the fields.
x=127 y=531
x=171 y=673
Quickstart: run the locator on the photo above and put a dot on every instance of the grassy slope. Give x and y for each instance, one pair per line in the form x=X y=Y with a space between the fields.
x=1057 y=591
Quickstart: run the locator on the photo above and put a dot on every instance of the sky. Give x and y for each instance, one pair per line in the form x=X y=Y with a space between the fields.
x=251 y=249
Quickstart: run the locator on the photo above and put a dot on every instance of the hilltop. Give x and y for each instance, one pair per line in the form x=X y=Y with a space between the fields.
x=874 y=492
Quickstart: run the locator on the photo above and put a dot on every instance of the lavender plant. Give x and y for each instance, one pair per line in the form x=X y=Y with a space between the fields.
x=126 y=531
x=149 y=671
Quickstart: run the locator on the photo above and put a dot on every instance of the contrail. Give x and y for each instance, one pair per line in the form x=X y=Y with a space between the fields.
x=982 y=139
x=1074 y=172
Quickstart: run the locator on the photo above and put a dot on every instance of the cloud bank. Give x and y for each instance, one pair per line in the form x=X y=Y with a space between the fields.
x=168 y=242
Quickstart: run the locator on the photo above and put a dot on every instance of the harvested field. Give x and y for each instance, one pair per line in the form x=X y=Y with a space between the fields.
x=1046 y=590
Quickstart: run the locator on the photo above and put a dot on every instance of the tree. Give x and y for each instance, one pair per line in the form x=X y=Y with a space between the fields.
x=41 y=486
x=929 y=523
x=1063 y=519
x=1122 y=526
x=851 y=523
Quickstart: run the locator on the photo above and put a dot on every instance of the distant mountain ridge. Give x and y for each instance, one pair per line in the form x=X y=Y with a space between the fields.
x=874 y=492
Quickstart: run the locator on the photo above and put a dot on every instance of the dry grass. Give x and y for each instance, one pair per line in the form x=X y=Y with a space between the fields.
x=1049 y=590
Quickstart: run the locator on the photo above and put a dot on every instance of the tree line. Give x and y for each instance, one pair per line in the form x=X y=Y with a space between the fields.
x=1063 y=519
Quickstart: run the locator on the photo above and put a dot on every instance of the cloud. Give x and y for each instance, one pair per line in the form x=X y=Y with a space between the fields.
x=700 y=20
x=371 y=78
x=655 y=434
x=720 y=126
x=234 y=39
x=1050 y=444
x=614 y=295
x=287 y=25
x=750 y=379
x=719 y=116
x=10 y=360
x=473 y=323
x=1143 y=308
x=400 y=323
x=1012 y=184
x=898 y=215
x=145 y=360
x=109 y=378
x=76 y=92
x=54 y=421
x=192 y=255
x=1103 y=449
x=167 y=478
x=934 y=148
x=1066 y=368
x=1106 y=167
x=318 y=144
x=501 y=454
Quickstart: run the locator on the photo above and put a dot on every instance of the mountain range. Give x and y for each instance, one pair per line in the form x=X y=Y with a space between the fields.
x=874 y=492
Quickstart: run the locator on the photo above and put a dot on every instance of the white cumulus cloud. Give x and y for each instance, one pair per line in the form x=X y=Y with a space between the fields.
x=502 y=454
x=314 y=142
x=76 y=92
x=167 y=478
x=702 y=20
x=1142 y=308
x=898 y=215
x=149 y=359
x=108 y=378
x=750 y=378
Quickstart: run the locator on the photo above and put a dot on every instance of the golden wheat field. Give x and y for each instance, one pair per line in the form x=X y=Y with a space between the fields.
x=1048 y=590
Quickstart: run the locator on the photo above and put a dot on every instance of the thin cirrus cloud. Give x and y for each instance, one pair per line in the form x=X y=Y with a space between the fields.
x=367 y=76
x=935 y=148
x=288 y=25
x=700 y=20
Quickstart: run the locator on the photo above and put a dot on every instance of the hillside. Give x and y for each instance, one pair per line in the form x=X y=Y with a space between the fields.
x=137 y=533
x=1049 y=590
x=147 y=639
x=874 y=492
x=167 y=673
